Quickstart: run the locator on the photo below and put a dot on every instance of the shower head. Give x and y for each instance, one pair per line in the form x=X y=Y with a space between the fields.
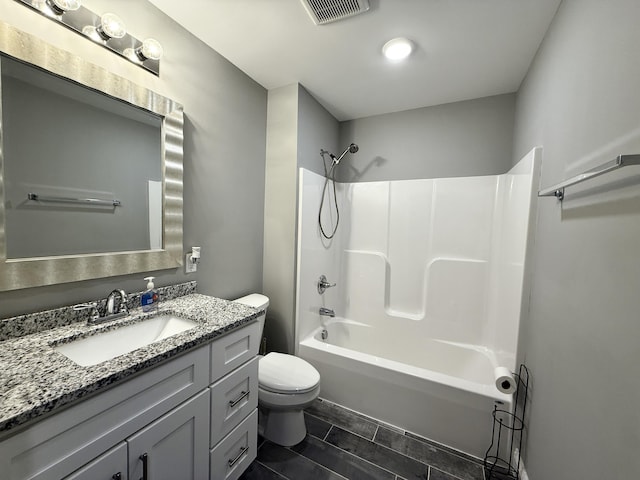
x=353 y=148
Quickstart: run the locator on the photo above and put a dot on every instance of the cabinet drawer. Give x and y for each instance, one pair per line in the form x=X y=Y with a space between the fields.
x=232 y=350
x=233 y=398
x=233 y=455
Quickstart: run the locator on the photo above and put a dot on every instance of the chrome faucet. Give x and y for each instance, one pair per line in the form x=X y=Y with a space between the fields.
x=111 y=299
x=327 y=312
x=109 y=314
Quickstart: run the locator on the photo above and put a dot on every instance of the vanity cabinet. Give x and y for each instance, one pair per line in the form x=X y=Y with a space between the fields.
x=164 y=418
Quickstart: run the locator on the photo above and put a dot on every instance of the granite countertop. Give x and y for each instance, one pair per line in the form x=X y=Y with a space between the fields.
x=35 y=379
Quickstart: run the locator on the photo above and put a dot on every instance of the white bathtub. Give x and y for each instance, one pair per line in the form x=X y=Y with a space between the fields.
x=440 y=390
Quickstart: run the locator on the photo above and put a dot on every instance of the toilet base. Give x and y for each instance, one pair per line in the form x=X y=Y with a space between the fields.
x=285 y=428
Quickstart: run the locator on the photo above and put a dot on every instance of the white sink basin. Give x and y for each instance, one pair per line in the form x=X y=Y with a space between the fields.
x=113 y=343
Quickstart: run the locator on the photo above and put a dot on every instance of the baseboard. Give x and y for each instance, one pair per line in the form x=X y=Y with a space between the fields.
x=522 y=473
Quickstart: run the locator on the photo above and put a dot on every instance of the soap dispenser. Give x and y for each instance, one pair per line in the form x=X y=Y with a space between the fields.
x=149 y=299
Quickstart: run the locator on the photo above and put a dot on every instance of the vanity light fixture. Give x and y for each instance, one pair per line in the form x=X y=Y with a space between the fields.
x=107 y=30
x=397 y=49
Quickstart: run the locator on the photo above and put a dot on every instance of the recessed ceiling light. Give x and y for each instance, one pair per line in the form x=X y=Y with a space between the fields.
x=397 y=48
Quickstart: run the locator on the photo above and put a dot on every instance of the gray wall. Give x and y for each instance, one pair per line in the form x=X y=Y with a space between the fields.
x=580 y=101
x=279 y=216
x=457 y=139
x=224 y=154
x=297 y=128
x=317 y=130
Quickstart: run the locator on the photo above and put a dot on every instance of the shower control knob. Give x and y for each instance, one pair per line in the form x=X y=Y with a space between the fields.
x=323 y=284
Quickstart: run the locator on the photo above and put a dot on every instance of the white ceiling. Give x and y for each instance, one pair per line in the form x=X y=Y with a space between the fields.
x=465 y=48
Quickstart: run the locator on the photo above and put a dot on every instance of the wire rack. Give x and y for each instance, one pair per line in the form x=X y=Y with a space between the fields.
x=500 y=463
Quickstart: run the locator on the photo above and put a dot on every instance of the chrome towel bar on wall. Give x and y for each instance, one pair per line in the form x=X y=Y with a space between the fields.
x=618 y=162
x=84 y=201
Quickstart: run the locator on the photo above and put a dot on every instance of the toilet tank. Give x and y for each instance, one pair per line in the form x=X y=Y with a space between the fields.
x=258 y=301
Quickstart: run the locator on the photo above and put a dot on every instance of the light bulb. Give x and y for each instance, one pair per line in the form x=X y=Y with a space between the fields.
x=92 y=32
x=397 y=49
x=111 y=27
x=150 y=49
x=60 y=6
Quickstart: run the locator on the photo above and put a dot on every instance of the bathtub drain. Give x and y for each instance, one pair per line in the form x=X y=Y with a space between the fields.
x=324 y=334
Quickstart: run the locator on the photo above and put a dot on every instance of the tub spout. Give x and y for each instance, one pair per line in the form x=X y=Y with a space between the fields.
x=327 y=312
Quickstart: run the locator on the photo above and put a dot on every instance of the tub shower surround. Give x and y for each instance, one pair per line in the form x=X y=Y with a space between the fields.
x=35 y=379
x=430 y=288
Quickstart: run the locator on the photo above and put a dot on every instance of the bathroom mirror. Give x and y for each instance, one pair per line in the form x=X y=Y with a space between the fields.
x=90 y=169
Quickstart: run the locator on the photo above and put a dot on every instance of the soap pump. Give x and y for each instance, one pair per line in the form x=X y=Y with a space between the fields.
x=149 y=299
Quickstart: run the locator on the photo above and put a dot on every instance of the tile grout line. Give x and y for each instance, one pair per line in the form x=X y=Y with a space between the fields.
x=456 y=477
x=381 y=446
x=350 y=454
x=271 y=469
x=361 y=416
x=343 y=428
x=324 y=439
x=477 y=464
x=316 y=463
x=445 y=448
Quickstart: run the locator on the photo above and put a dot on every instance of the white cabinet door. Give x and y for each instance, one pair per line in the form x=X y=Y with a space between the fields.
x=175 y=446
x=111 y=465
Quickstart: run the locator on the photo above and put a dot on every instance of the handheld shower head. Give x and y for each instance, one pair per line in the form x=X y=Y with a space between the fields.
x=330 y=175
x=353 y=148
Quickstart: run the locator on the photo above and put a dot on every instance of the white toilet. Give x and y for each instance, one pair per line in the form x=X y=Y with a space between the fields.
x=287 y=385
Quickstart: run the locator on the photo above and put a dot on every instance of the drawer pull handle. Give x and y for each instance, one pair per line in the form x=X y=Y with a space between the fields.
x=243 y=450
x=243 y=394
x=117 y=476
x=144 y=457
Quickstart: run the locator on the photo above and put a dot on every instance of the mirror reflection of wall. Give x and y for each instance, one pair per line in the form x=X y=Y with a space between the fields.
x=63 y=140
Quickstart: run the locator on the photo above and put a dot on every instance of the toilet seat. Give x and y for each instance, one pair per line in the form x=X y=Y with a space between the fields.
x=286 y=374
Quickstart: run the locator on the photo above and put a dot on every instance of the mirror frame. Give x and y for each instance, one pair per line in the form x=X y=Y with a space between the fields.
x=39 y=271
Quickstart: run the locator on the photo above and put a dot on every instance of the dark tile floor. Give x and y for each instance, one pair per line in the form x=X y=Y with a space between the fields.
x=341 y=444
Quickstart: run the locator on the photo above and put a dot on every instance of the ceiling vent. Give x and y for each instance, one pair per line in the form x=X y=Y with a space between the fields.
x=327 y=11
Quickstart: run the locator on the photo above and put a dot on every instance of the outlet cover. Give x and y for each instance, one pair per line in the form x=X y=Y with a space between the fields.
x=189 y=266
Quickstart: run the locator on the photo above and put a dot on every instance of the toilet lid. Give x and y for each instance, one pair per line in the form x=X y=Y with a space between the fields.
x=281 y=373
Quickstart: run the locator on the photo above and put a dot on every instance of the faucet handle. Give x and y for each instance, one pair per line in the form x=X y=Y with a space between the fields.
x=92 y=306
x=323 y=284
